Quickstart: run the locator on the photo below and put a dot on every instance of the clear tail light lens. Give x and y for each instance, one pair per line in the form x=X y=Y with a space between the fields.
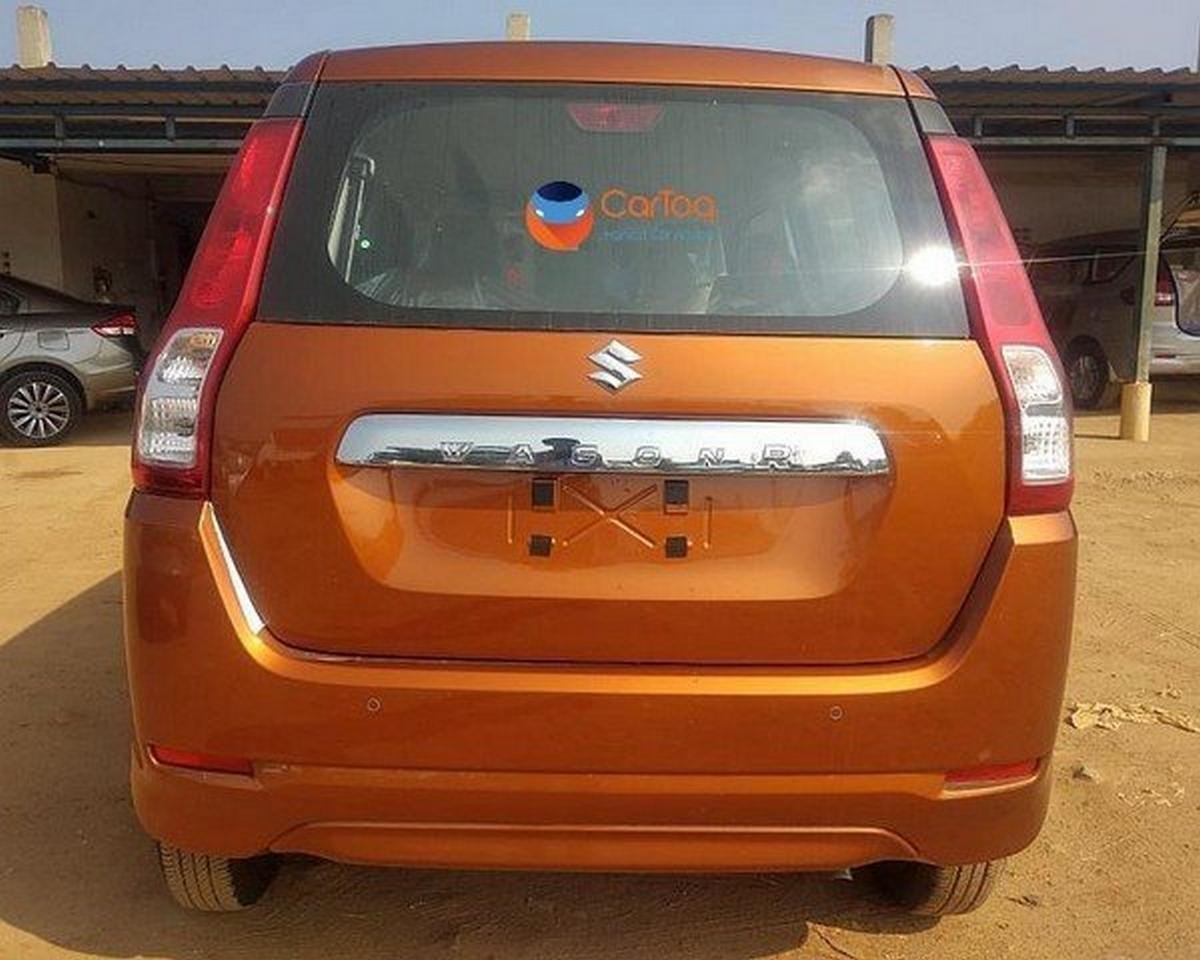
x=170 y=404
x=1045 y=417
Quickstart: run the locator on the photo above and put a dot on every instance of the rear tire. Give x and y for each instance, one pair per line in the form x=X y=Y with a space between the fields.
x=38 y=408
x=933 y=891
x=1089 y=374
x=215 y=884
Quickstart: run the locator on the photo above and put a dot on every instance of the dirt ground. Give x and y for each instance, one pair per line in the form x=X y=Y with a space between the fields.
x=1114 y=874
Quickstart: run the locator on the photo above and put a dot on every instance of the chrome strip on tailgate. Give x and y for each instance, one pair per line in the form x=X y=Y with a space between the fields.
x=842 y=448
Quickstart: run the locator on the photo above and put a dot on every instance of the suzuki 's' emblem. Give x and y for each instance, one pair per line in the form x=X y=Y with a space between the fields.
x=615 y=359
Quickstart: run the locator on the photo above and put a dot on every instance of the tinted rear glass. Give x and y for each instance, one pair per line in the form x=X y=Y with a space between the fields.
x=603 y=207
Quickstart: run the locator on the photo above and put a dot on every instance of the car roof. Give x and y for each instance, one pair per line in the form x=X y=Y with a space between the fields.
x=1107 y=238
x=627 y=63
x=1120 y=239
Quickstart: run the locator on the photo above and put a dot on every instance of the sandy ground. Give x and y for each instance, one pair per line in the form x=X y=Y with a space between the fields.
x=1113 y=876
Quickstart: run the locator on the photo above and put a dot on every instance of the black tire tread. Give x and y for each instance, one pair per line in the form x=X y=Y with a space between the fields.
x=1107 y=394
x=939 y=891
x=213 y=884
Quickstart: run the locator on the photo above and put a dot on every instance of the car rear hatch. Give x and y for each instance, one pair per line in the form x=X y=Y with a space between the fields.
x=1181 y=281
x=609 y=374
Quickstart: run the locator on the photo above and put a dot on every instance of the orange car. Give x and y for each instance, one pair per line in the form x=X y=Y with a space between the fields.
x=600 y=457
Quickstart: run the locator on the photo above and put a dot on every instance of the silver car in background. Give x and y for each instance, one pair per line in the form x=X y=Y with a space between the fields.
x=59 y=358
x=1088 y=291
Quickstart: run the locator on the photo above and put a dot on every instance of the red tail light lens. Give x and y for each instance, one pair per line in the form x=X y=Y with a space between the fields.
x=122 y=325
x=1008 y=324
x=1164 y=291
x=178 y=394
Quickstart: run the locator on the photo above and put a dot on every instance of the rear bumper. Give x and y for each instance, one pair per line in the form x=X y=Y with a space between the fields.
x=109 y=375
x=1184 y=364
x=1173 y=352
x=572 y=767
x=585 y=821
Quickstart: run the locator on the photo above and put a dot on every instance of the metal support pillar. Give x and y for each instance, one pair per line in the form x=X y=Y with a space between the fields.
x=1135 y=396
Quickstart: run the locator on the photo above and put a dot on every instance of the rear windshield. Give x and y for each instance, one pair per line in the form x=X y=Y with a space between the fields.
x=533 y=206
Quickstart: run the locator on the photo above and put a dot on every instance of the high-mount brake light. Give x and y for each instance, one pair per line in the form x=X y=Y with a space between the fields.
x=1008 y=324
x=595 y=116
x=178 y=393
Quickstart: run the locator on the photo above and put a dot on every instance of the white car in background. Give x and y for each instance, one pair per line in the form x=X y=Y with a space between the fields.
x=60 y=357
x=1088 y=290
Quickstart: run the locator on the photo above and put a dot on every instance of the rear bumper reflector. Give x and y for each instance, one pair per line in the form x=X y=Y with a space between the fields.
x=607 y=445
x=204 y=762
x=990 y=775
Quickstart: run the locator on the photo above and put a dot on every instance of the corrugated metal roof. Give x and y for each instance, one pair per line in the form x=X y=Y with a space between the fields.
x=151 y=74
x=1171 y=95
x=132 y=81
x=250 y=88
x=121 y=85
x=1062 y=76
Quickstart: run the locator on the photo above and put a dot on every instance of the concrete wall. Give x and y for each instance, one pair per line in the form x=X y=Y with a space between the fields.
x=104 y=226
x=29 y=225
x=58 y=230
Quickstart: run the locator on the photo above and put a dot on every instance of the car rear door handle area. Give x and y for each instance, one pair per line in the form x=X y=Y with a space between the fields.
x=846 y=448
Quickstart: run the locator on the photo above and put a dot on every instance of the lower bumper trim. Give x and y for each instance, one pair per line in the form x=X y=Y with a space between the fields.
x=586 y=821
x=586 y=847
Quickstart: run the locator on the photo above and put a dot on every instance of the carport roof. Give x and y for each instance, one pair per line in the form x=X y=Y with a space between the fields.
x=54 y=86
x=53 y=110
x=1021 y=106
x=1059 y=77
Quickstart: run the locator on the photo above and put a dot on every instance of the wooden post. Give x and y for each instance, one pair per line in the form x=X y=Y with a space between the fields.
x=1135 y=397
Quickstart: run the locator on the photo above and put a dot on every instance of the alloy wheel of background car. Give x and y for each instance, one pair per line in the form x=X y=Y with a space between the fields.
x=40 y=408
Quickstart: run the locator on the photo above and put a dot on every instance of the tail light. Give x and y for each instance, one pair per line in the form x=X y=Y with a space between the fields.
x=1164 y=289
x=122 y=325
x=1007 y=323
x=178 y=393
